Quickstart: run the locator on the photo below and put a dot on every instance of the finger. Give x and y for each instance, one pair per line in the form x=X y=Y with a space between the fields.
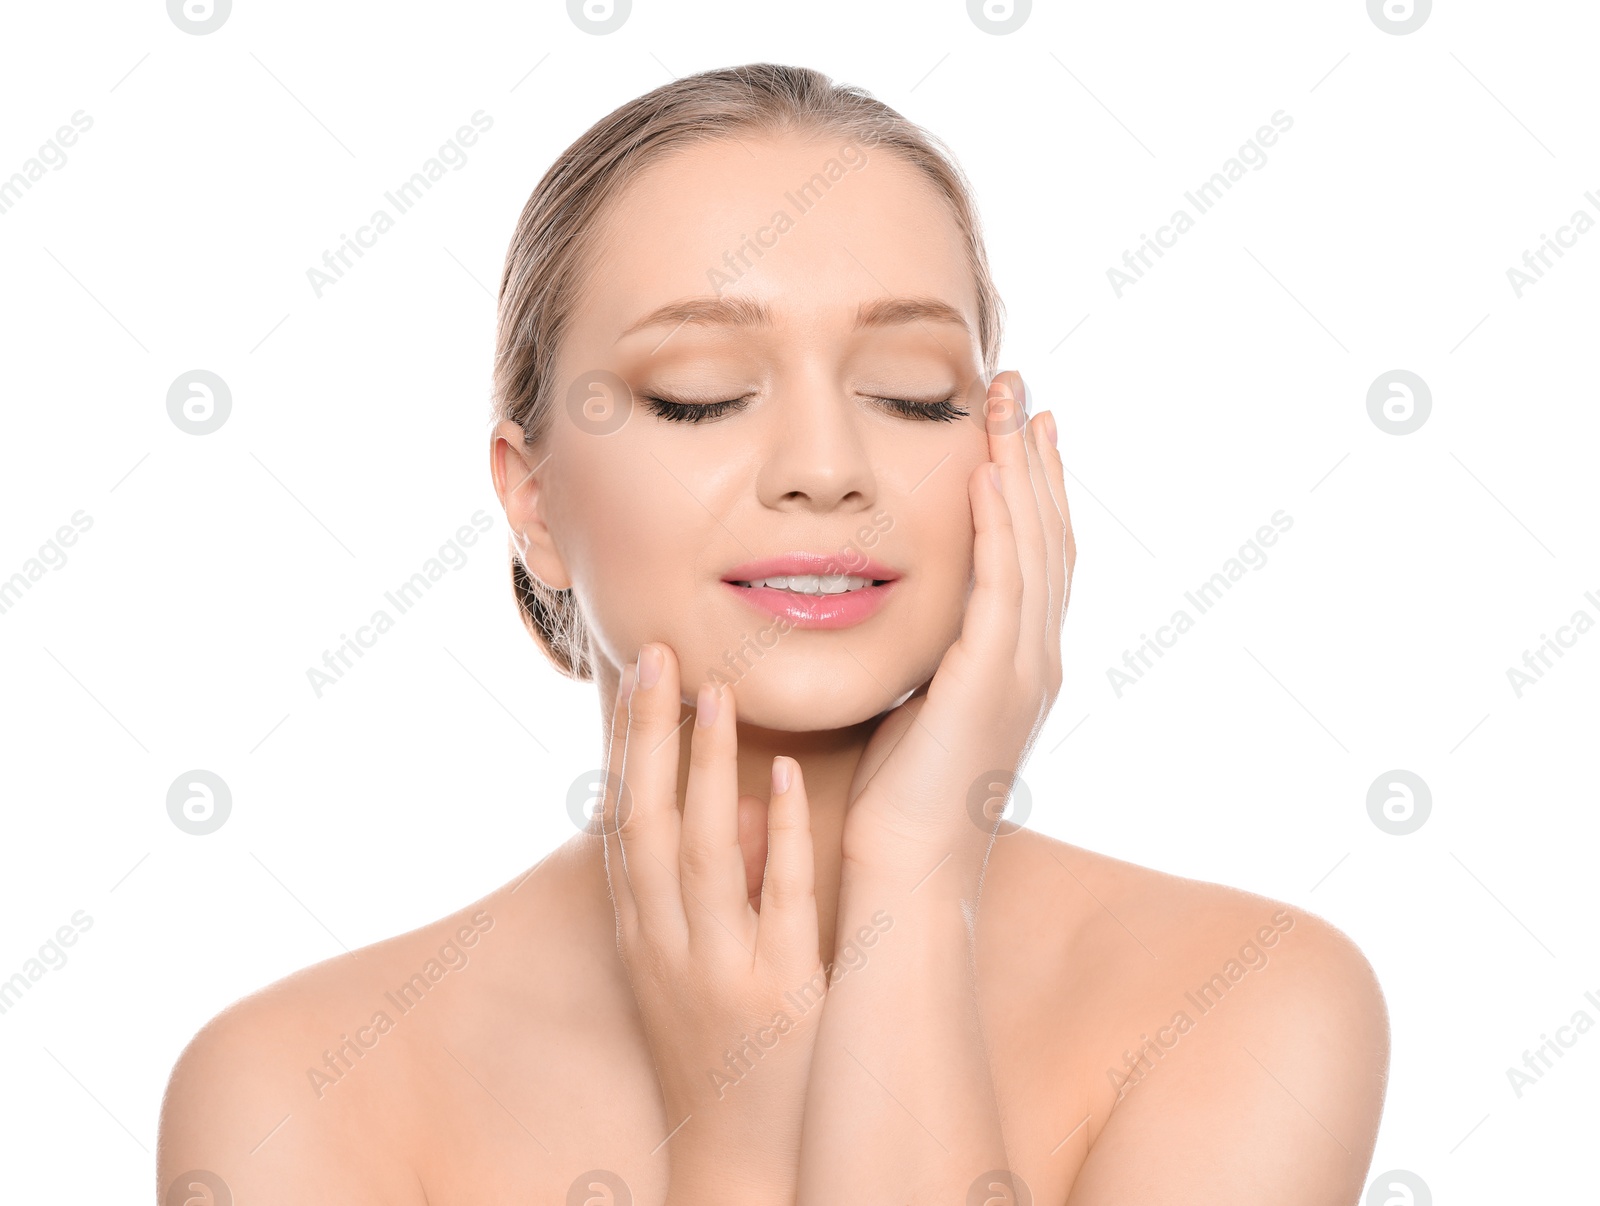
x=753 y=842
x=715 y=900
x=1021 y=477
x=788 y=929
x=982 y=662
x=1060 y=550
x=650 y=830
x=616 y=877
x=994 y=612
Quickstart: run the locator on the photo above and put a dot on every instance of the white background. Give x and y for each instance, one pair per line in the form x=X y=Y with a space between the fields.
x=1229 y=383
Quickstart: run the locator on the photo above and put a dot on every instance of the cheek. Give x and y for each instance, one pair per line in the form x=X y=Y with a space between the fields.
x=632 y=539
x=936 y=539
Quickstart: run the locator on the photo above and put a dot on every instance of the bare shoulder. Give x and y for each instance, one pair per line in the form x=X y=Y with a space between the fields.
x=1247 y=1037
x=1141 y=926
x=307 y=1089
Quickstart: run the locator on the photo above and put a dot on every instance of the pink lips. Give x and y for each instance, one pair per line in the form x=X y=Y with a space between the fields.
x=813 y=611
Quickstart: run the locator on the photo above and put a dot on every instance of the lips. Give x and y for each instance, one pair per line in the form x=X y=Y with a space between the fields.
x=826 y=564
x=813 y=611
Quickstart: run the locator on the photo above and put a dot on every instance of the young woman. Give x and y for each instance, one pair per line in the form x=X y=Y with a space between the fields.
x=766 y=491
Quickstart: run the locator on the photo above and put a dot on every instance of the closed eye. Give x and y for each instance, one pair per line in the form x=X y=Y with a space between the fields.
x=941 y=410
x=692 y=412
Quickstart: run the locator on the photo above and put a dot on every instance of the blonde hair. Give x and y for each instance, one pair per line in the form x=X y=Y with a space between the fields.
x=548 y=257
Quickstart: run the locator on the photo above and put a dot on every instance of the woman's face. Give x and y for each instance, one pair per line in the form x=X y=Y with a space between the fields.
x=804 y=279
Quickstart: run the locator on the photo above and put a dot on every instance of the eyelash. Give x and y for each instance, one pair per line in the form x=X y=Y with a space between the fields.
x=942 y=411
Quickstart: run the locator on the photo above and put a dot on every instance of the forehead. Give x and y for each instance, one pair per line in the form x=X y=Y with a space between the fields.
x=815 y=226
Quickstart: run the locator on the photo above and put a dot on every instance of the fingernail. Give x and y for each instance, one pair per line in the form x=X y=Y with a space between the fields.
x=782 y=773
x=649 y=666
x=1050 y=429
x=705 y=710
x=630 y=676
x=994 y=476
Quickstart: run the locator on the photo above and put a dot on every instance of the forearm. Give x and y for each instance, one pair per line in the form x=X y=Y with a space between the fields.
x=901 y=1104
x=730 y=1173
x=709 y=1189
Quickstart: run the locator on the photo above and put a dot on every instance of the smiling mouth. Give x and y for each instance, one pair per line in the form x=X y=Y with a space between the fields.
x=814 y=600
x=816 y=585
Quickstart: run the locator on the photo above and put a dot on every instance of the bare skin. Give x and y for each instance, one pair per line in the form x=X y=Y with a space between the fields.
x=529 y=1066
x=1105 y=1033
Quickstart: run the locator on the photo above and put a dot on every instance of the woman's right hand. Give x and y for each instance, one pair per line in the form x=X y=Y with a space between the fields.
x=730 y=998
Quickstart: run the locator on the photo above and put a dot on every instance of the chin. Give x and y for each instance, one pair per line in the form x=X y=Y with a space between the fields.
x=798 y=691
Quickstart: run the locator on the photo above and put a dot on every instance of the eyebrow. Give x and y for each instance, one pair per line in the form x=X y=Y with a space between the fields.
x=749 y=312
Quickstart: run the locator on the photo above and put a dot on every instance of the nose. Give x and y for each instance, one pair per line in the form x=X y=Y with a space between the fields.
x=817 y=457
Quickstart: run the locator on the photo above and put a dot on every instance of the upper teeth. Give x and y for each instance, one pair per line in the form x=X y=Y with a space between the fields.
x=814 y=584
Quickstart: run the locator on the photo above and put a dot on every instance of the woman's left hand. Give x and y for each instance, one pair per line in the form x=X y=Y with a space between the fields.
x=934 y=778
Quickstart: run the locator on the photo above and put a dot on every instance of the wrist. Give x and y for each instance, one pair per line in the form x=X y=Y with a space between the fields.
x=700 y=1194
x=694 y=1182
x=714 y=1193
x=882 y=906
x=895 y=864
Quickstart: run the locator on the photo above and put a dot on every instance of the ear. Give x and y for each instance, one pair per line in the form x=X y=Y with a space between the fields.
x=518 y=470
